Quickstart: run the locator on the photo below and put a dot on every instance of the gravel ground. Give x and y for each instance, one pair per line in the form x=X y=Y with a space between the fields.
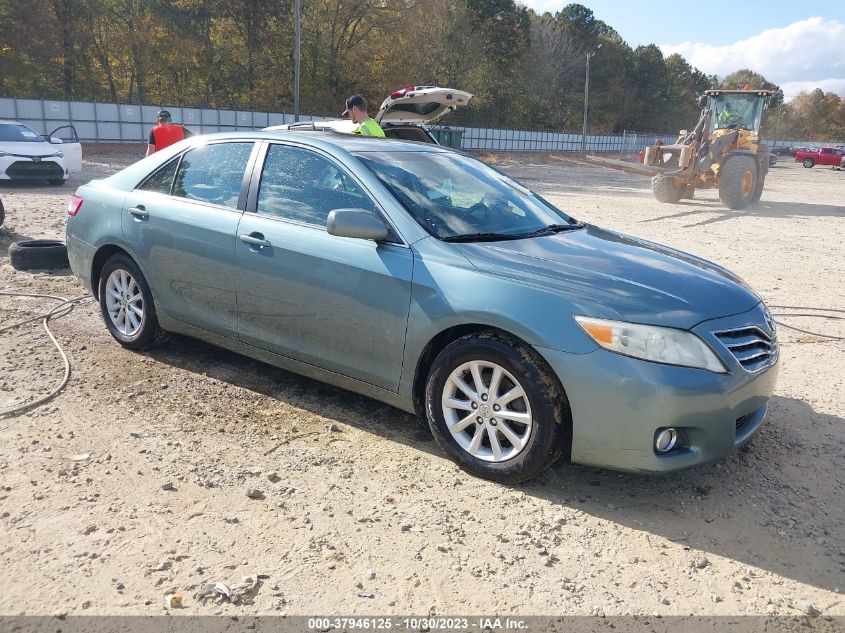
x=166 y=471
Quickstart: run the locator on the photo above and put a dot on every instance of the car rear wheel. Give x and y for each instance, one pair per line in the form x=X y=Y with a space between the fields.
x=496 y=408
x=126 y=303
x=808 y=162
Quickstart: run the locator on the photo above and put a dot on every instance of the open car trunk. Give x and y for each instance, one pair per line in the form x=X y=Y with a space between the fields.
x=408 y=133
x=420 y=105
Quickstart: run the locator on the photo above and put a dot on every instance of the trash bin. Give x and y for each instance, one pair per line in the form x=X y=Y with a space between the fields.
x=443 y=136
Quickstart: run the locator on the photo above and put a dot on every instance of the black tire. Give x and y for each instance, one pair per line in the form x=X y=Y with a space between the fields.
x=2 y=213
x=57 y=181
x=688 y=192
x=38 y=255
x=738 y=181
x=149 y=332
x=550 y=431
x=808 y=162
x=758 y=190
x=665 y=189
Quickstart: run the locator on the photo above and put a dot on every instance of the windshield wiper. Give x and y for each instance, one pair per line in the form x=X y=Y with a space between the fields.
x=482 y=237
x=554 y=228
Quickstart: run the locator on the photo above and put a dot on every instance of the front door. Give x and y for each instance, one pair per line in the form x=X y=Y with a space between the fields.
x=333 y=302
x=70 y=146
x=181 y=224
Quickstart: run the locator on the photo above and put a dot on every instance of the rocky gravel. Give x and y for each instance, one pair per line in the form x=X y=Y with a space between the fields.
x=191 y=472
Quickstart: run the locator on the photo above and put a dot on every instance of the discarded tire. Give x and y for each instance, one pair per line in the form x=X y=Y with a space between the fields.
x=2 y=213
x=38 y=254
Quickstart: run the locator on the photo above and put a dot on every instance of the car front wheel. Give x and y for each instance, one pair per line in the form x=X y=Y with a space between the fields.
x=126 y=303
x=496 y=408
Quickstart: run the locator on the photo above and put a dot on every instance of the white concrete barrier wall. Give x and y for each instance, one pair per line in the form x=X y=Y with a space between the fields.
x=131 y=123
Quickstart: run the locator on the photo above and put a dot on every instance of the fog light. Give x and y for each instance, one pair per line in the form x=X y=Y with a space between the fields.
x=665 y=440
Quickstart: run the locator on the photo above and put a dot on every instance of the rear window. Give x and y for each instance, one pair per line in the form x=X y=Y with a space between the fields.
x=15 y=133
x=422 y=109
x=213 y=173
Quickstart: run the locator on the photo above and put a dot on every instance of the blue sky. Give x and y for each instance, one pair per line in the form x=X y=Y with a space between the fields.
x=724 y=22
x=798 y=45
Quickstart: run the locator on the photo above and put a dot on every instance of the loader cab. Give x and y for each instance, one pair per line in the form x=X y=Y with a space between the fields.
x=737 y=109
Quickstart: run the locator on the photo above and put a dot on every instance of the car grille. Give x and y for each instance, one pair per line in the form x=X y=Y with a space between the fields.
x=741 y=422
x=752 y=347
x=30 y=170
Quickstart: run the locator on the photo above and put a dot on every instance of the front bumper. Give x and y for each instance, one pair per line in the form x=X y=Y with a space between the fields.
x=26 y=169
x=619 y=403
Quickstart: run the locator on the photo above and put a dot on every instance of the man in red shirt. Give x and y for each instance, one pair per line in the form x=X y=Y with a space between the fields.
x=165 y=133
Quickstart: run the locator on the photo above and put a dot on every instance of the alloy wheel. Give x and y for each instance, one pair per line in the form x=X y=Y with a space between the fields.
x=124 y=302
x=487 y=411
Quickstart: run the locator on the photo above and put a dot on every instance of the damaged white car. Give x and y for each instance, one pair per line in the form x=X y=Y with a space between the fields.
x=25 y=155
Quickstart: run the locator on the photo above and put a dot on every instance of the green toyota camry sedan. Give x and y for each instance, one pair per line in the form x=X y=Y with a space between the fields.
x=423 y=278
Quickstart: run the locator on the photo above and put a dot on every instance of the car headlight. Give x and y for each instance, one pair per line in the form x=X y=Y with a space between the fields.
x=650 y=342
x=59 y=154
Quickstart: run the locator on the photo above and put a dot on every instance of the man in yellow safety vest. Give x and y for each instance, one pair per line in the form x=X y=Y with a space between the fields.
x=356 y=108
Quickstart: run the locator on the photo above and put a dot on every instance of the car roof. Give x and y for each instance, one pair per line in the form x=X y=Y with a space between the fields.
x=318 y=137
x=9 y=122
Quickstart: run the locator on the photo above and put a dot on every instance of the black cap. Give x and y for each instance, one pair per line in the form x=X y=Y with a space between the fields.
x=354 y=101
x=163 y=114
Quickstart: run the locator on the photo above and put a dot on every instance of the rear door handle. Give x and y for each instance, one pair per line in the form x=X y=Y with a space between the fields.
x=139 y=212
x=255 y=239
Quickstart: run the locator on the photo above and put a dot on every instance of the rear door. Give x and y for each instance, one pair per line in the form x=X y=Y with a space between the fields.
x=333 y=302
x=181 y=223
x=70 y=146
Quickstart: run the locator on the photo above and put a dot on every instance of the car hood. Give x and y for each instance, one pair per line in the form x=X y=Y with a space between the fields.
x=28 y=149
x=610 y=275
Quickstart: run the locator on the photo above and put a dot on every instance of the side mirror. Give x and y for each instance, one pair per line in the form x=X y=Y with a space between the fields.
x=55 y=140
x=357 y=223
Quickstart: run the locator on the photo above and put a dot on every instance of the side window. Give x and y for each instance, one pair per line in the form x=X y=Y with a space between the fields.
x=298 y=184
x=827 y=151
x=161 y=179
x=213 y=173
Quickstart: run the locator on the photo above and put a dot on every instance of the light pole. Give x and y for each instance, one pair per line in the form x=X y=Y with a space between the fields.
x=297 y=57
x=586 y=101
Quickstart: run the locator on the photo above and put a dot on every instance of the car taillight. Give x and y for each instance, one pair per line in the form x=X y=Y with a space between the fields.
x=74 y=205
x=401 y=93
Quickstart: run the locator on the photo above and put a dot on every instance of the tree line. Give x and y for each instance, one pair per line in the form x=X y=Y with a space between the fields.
x=525 y=69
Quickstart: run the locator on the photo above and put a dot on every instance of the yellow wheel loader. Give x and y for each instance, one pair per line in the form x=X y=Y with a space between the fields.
x=722 y=151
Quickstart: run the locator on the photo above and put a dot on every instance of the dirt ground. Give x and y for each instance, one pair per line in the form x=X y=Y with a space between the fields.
x=357 y=511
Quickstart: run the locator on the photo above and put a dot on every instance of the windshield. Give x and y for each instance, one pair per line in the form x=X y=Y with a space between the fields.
x=16 y=133
x=736 y=110
x=455 y=197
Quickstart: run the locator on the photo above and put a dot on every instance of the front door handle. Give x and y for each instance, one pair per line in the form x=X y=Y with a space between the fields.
x=255 y=239
x=139 y=212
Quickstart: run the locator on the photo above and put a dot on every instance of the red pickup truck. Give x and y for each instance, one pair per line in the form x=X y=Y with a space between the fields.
x=825 y=156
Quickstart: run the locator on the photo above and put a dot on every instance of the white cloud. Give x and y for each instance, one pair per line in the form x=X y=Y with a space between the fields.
x=792 y=88
x=801 y=56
